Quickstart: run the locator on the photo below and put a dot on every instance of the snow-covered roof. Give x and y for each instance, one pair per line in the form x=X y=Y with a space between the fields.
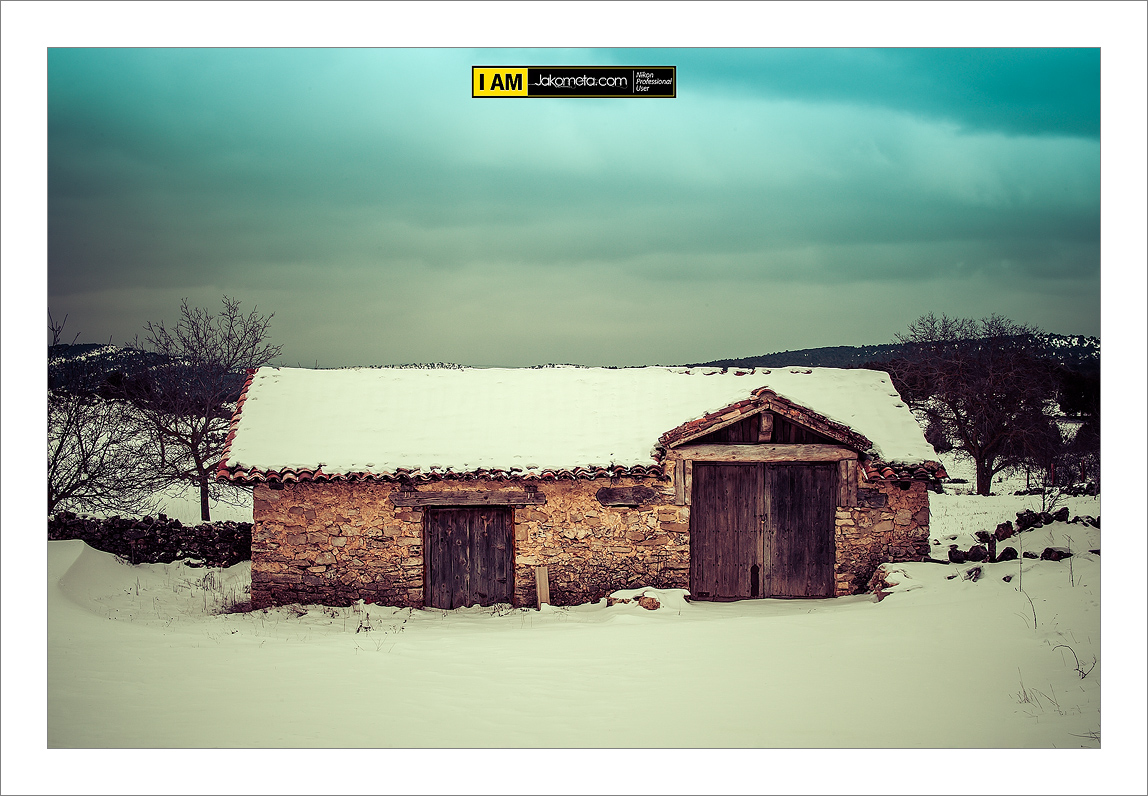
x=528 y=422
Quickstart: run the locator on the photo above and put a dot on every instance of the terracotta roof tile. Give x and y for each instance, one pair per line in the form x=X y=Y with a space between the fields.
x=874 y=470
x=221 y=470
x=764 y=398
x=288 y=475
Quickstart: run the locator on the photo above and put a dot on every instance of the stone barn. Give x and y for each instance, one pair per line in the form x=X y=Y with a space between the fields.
x=449 y=487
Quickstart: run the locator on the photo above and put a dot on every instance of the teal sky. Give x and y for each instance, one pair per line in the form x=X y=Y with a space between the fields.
x=785 y=199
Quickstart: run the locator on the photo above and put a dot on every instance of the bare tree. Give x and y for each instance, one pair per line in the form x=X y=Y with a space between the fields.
x=189 y=396
x=99 y=456
x=984 y=385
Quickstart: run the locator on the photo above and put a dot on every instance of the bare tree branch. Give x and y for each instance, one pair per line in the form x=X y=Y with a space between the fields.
x=99 y=456
x=189 y=398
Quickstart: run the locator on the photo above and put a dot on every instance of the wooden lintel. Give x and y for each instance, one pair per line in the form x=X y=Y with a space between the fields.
x=476 y=498
x=625 y=495
x=766 y=453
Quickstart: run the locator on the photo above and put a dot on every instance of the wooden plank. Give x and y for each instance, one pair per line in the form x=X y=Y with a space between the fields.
x=482 y=498
x=801 y=498
x=847 y=483
x=743 y=431
x=542 y=586
x=823 y=546
x=689 y=481
x=447 y=540
x=705 y=526
x=625 y=495
x=679 y=483
x=752 y=430
x=767 y=453
x=725 y=531
x=715 y=427
x=794 y=433
x=759 y=573
x=765 y=433
x=767 y=509
x=492 y=568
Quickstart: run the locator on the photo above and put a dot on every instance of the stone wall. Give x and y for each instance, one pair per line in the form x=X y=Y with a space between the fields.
x=591 y=550
x=150 y=540
x=335 y=543
x=889 y=523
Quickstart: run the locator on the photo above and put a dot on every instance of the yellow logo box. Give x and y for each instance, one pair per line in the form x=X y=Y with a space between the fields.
x=498 y=81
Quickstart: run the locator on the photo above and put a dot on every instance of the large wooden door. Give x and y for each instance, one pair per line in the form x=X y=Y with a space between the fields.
x=762 y=530
x=725 y=531
x=800 y=500
x=470 y=556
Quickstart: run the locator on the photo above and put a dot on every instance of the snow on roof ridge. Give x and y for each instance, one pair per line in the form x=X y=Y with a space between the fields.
x=558 y=419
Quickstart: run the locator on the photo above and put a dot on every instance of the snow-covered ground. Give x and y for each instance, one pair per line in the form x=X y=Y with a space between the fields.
x=143 y=657
x=766 y=673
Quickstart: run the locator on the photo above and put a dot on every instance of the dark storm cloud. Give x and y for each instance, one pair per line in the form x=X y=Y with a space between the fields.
x=1023 y=91
x=363 y=183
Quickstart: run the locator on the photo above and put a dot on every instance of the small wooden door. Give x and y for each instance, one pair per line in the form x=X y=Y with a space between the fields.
x=470 y=556
x=800 y=500
x=725 y=531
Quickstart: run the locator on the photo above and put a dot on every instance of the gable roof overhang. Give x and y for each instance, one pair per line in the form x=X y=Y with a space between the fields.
x=761 y=400
x=766 y=400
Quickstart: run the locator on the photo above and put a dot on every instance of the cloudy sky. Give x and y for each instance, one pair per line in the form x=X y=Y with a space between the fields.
x=787 y=198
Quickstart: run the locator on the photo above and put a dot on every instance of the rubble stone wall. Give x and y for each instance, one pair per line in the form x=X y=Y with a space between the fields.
x=334 y=543
x=889 y=523
x=150 y=540
x=591 y=550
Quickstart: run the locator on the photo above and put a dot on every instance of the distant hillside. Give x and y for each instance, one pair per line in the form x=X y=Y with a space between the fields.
x=1074 y=351
x=838 y=356
x=106 y=369
x=85 y=367
x=91 y=367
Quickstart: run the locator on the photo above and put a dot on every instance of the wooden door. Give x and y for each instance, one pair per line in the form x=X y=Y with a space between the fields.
x=800 y=502
x=726 y=531
x=470 y=556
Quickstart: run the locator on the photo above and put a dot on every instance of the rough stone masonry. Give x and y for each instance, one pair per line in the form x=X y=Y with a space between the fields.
x=889 y=523
x=335 y=543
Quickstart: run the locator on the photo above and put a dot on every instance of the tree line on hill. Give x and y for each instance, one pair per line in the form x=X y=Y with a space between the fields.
x=1078 y=353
